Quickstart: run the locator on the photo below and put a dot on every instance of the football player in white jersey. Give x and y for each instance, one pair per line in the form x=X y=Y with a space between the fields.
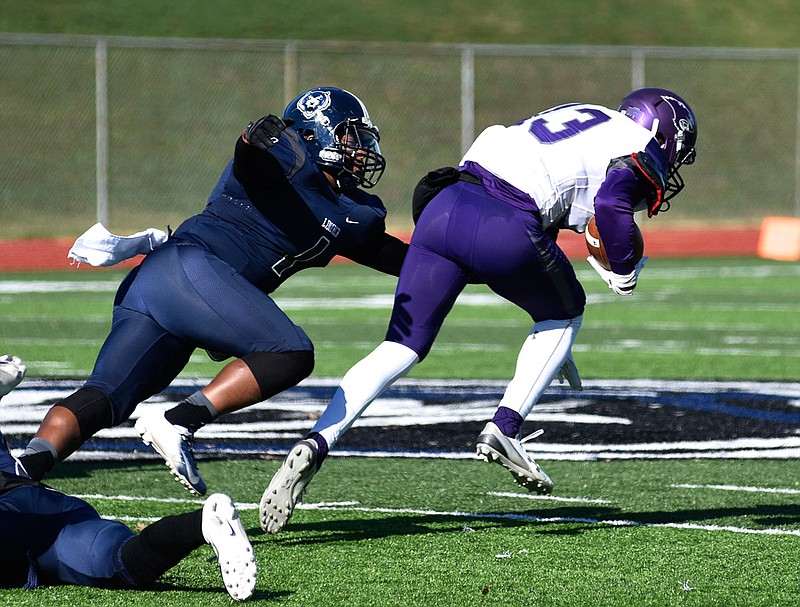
x=495 y=220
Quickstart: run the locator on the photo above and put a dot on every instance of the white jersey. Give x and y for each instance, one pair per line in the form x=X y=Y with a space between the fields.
x=559 y=157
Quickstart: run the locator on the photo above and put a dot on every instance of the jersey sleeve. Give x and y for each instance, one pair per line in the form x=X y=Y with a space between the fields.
x=255 y=168
x=616 y=200
x=651 y=170
x=368 y=200
x=382 y=252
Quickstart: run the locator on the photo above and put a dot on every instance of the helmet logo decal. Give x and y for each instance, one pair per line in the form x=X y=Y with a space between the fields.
x=313 y=103
x=338 y=135
x=684 y=123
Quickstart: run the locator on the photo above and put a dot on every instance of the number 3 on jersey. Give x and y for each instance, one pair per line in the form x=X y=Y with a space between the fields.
x=552 y=131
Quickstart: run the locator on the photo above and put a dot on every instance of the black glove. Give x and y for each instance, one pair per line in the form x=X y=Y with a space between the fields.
x=265 y=132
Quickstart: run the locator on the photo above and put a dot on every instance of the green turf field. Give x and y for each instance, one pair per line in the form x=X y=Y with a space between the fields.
x=718 y=319
x=411 y=532
x=425 y=532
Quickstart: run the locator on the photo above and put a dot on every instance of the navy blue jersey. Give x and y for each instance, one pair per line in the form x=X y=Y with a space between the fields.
x=274 y=213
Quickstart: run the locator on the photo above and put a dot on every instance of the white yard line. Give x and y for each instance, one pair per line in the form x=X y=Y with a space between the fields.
x=565 y=520
x=547 y=498
x=738 y=488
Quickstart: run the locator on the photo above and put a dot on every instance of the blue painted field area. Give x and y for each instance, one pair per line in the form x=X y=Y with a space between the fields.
x=607 y=420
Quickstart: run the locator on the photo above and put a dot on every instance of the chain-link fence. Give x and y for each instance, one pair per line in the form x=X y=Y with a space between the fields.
x=135 y=131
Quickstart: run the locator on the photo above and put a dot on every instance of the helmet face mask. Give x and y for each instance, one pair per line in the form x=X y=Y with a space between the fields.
x=672 y=123
x=337 y=129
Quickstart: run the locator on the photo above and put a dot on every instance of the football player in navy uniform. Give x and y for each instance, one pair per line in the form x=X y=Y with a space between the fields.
x=292 y=197
x=495 y=220
x=48 y=537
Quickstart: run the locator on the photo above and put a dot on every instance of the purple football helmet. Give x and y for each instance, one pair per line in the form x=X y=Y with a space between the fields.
x=673 y=125
x=337 y=129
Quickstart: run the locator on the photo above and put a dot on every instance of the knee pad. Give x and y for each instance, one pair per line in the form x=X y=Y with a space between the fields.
x=277 y=371
x=92 y=410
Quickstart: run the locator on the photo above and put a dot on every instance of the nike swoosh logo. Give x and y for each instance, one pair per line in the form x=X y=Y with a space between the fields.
x=193 y=478
x=348 y=220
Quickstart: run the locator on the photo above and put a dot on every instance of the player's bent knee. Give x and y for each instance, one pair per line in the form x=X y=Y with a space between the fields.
x=91 y=408
x=277 y=371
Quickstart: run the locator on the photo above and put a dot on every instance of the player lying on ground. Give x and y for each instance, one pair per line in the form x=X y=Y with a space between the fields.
x=495 y=221
x=290 y=199
x=48 y=537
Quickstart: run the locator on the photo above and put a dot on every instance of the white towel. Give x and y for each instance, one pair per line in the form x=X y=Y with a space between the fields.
x=99 y=247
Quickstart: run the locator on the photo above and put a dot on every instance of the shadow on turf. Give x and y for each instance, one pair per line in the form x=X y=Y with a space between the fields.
x=353 y=530
x=71 y=469
x=768 y=515
x=258 y=595
x=579 y=519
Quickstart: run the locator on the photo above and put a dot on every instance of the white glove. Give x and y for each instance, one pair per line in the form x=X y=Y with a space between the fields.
x=11 y=373
x=569 y=372
x=621 y=284
x=99 y=247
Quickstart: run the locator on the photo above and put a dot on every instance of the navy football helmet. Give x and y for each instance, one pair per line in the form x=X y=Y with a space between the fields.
x=672 y=123
x=337 y=129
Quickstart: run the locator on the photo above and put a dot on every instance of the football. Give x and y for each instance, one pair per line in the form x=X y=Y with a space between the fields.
x=594 y=244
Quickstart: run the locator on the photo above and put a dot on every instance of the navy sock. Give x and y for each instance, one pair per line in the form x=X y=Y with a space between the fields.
x=38 y=458
x=508 y=420
x=192 y=413
x=37 y=465
x=162 y=545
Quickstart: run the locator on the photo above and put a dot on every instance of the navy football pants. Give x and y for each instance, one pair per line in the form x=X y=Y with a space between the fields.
x=64 y=537
x=180 y=298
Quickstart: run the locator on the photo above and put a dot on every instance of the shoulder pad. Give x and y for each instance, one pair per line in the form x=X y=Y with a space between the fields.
x=644 y=164
x=641 y=162
x=623 y=162
x=651 y=168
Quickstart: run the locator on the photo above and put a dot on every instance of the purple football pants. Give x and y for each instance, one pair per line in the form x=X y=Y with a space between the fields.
x=465 y=235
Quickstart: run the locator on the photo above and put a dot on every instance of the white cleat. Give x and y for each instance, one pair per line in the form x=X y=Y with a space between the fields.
x=222 y=528
x=12 y=370
x=494 y=446
x=287 y=486
x=174 y=444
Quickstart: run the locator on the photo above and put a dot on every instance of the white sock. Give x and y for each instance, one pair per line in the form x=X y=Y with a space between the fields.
x=539 y=361
x=363 y=383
